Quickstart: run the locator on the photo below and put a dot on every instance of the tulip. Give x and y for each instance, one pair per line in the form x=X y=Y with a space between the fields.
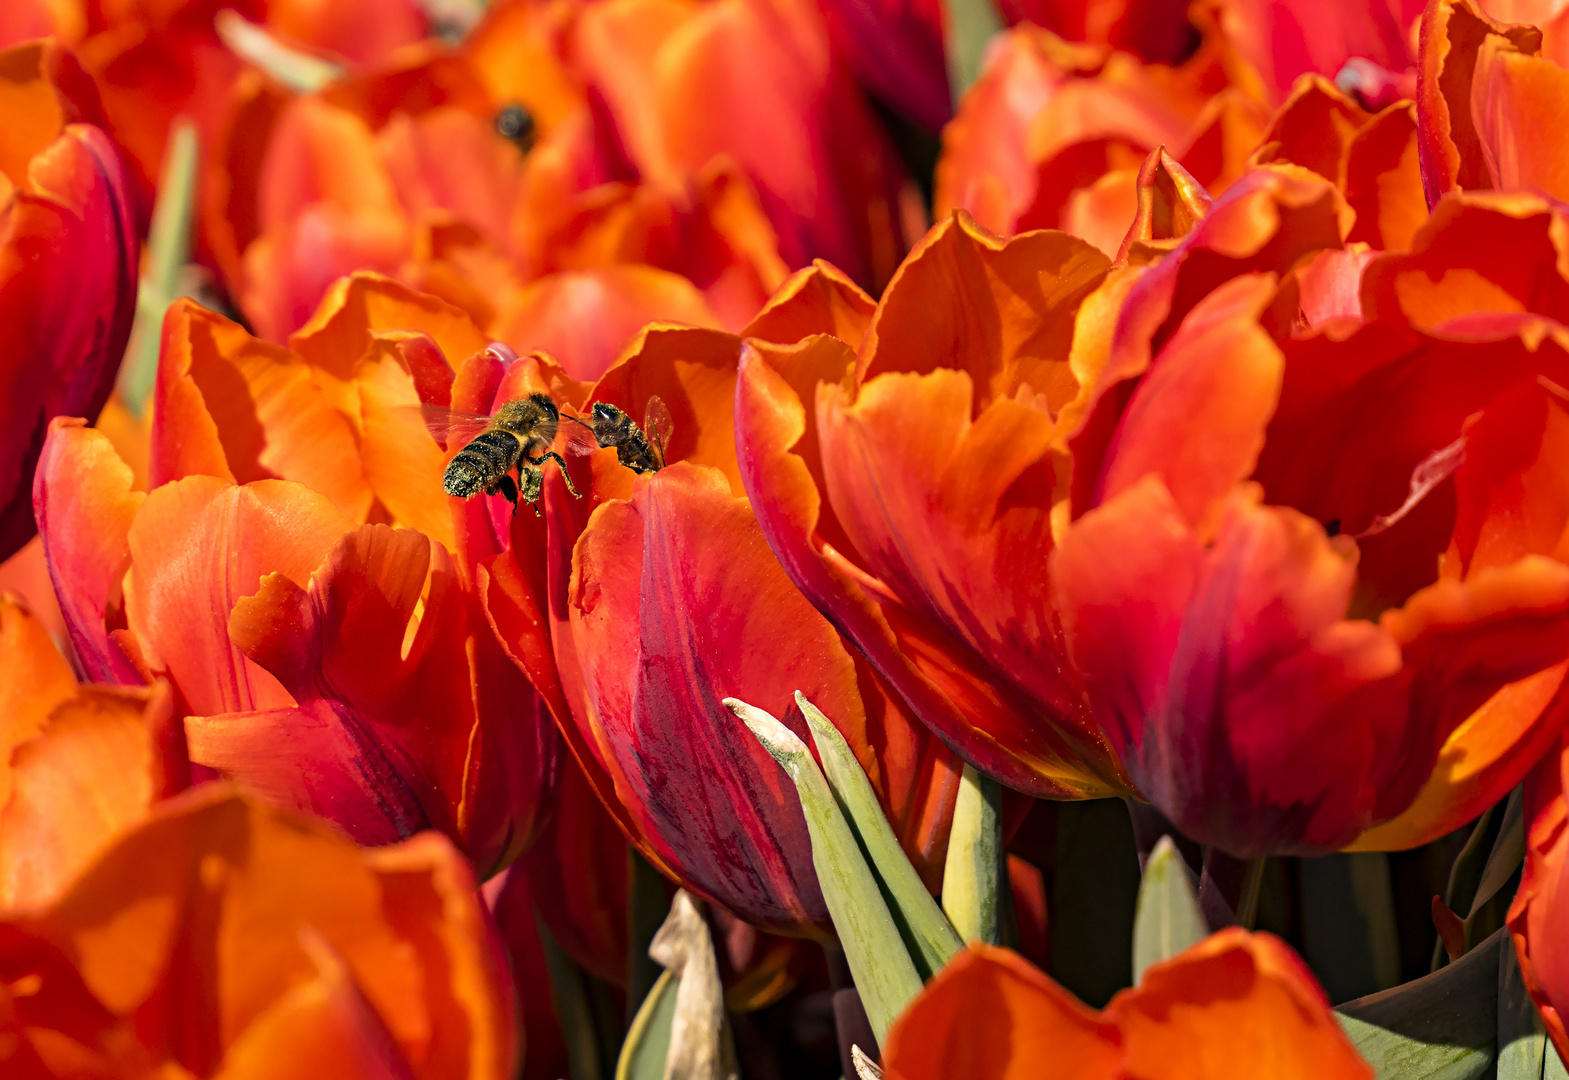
x=263 y=944
x=942 y=593
x=1250 y=694
x=68 y=263
x=332 y=664
x=78 y=765
x=1235 y=1004
x=1052 y=135
x=639 y=608
x=1536 y=917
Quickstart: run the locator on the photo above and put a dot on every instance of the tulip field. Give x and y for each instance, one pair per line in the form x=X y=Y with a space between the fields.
x=784 y=539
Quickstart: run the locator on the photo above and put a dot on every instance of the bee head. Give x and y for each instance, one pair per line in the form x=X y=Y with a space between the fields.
x=606 y=413
x=546 y=405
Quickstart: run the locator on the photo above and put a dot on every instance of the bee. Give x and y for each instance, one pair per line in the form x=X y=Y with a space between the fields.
x=640 y=449
x=518 y=437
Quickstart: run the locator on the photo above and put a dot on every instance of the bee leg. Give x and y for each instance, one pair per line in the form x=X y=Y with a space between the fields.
x=531 y=484
x=562 y=465
x=506 y=487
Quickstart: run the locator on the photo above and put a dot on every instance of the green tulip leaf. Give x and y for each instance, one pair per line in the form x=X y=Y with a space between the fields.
x=884 y=973
x=648 y=1041
x=1168 y=918
x=1443 y=1026
x=929 y=936
x=972 y=878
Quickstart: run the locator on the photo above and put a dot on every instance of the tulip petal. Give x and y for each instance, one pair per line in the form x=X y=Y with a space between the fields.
x=1383 y=180
x=197 y=547
x=1480 y=251
x=1514 y=97
x=68 y=256
x=1452 y=34
x=1194 y=656
x=816 y=300
x=1015 y=320
x=1236 y=1004
x=190 y=925
x=1197 y=419
x=990 y=1013
x=684 y=544
x=85 y=506
x=230 y=406
x=1537 y=912
x=34 y=678
x=89 y=774
x=586 y=318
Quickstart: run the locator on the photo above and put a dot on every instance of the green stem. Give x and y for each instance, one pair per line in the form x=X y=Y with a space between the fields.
x=574 y=1010
x=647 y=906
x=168 y=251
x=969 y=26
x=972 y=878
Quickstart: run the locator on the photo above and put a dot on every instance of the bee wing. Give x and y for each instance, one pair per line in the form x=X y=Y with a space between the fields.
x=575 y=437
x=657 y=426
x=448 y=427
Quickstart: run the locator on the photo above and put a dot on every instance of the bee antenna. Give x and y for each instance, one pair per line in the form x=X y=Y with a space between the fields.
x=578 y=420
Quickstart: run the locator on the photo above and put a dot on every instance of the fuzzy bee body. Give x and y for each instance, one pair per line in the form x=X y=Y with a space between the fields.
x=517 y=438
x=640 y=449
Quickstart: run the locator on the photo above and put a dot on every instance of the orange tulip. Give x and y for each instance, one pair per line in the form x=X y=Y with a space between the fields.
x=637 y=609
x=68 y=257
x=221 y=938
x=1236 y=1004
x=1536 y=917
x=325 y=659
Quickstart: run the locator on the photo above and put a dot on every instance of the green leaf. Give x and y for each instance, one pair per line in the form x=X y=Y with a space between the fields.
x=1349 y=936
x=972 y=877
x=1443 y=1026
x=884 y=974
x=1524 y=1052
x=648 y=1041
x=968 y=27
x=929 y=936
x=1168 y=918
x=168 y=251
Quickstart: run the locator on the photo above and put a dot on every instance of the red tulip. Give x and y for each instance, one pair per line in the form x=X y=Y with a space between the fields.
x=68 y=264
x=638 y=609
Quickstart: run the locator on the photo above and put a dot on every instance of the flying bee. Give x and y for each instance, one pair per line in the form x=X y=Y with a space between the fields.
x=516 y=437
x=641 y=449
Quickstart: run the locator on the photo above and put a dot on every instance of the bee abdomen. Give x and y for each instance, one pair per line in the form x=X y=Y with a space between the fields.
x=480 y=463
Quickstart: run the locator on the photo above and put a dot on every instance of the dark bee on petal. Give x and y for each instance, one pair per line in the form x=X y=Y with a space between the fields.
x=516 y=124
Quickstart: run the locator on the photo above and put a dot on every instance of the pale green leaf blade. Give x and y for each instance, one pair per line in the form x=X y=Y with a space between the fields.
x=884 y=974
x=927 y=933
x=1168 y=918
